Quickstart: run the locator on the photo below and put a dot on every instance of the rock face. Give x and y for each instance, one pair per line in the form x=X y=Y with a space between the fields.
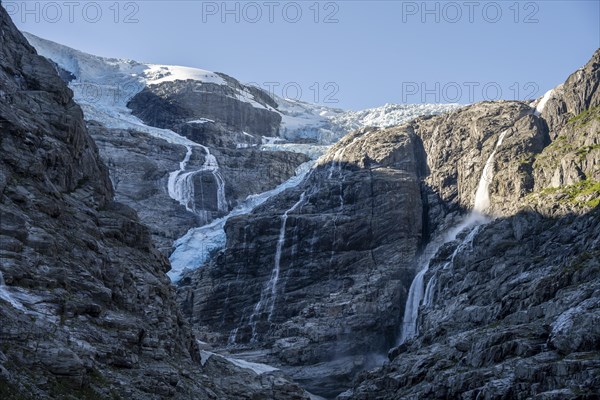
x=140 y=166
x=514 y=305
x=213 y=110
x=503 y=327
x=86 y=309
x=222 y=112
x=321 y=289
x=316 y=279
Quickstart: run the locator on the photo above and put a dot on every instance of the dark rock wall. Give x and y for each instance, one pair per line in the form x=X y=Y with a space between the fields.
x=370 y=206
x=86 y=310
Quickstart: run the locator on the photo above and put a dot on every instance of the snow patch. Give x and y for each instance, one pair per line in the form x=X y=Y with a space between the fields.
x=156 y=74
x=200 y=121
x=257 y=368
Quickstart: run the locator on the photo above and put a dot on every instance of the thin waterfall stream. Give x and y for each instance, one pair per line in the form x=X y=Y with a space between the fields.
x=269 y=293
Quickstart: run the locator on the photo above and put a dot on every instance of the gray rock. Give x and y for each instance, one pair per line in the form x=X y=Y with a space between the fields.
x=86 y=308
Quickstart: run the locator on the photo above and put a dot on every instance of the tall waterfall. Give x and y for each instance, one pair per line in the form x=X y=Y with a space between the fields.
x=482 y=195
x=417 y=293
x=269 y=292
x=181 y=183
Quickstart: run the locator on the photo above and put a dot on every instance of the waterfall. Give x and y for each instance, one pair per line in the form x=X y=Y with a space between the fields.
x=482 y=195
x=476 y=218
x=181 y=183
x=232 y=337
x=428 y=299
x=194 y=248
x=540 y=104
x=269 y=293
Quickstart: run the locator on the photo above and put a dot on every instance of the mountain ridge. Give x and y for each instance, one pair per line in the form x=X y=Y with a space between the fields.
x=482 y=222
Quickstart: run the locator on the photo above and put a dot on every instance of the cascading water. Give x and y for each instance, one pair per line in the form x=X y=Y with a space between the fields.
x=181 y=183
x=194 y=248
x=482 y=195
x=476 y=218
x=269 y=293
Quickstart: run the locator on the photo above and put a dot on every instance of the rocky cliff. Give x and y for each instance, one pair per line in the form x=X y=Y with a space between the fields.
x=318 y=274
x=230 y=108
x=86 y=310
x=514 y=305
x=316 y=280
x=191 y=157
x=140 y=167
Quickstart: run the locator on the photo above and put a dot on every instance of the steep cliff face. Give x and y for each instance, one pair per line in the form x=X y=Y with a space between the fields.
x=317 y=275
x=141 y=166
x=84 y=295
x=512 y=306
x=316 y=279
x=86 y=309
x=202 y=165
x=513 y=315
x=223 y=111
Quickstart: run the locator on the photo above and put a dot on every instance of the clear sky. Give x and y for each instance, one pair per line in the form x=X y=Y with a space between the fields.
x=349 y=54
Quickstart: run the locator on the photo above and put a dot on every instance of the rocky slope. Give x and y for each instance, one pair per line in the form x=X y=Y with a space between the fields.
x=232 y=107
x=140 y=166
x=86 y=310
x=213 y=110
x=315 y=280
x=515 y=305
x=340 y=264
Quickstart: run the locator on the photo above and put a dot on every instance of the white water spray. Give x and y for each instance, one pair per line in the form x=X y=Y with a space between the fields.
x=476 y=218
x=181 y=183
x=482 y=195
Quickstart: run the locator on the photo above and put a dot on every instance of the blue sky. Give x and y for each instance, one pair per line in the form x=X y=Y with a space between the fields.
x=348 y=54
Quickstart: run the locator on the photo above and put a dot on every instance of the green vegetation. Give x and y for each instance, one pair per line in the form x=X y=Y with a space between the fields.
x=582 y=152
x=552 y=154
x=563 y=145
x=585 y=117
x=582 y=194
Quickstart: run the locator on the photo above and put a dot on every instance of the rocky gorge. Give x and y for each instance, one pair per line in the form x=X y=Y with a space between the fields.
x=430 y=257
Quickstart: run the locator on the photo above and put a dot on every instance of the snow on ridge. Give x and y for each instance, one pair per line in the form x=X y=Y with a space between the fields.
x=120 y=80
x=156 y=73
x=390 y=114
x=326 y=125
x=104 y=86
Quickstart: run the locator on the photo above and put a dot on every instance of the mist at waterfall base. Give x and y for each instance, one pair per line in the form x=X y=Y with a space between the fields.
x=418 y=295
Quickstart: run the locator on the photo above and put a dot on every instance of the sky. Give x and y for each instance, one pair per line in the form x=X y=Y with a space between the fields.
x=345 y=54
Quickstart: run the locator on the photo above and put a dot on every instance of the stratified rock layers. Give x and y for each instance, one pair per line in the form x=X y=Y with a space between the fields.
x=321 y=291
